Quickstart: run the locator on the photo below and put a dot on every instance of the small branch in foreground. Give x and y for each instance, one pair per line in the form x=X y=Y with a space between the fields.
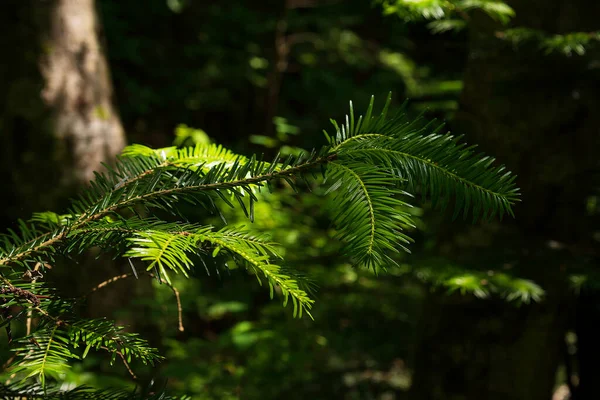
x=85 y=218
x=133 y=375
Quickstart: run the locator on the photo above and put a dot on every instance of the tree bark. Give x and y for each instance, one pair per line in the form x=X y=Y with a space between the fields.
x=58 y=119
x=79 y=91
x=59 y=124
x=537 y=114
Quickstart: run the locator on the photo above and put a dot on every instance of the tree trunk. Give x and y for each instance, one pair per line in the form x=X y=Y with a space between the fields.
x=58 y=120
x=59 y=124
x=538 y=115
x=79 y=91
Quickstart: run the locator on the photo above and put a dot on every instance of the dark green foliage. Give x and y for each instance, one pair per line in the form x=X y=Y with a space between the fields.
x=434 y=163
x=441 y=11
x=371 y=163
x=567 y=44
x=37 y=392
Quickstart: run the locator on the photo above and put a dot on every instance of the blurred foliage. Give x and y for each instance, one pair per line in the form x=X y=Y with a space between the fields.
x=218 y=79
x=205 y=68
x=454 y=15
x=447 y=14
x=574 y=43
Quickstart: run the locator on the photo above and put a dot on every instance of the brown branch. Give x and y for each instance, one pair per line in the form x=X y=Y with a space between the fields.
x=30 y=311
x=179 y=308
x=126 y=364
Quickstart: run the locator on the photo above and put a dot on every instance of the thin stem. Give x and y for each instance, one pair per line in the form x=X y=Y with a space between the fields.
x=150 y=274
x=357 y=137
x=224 y=185
x=30 y=312
x=84 y=218
x=125 y=363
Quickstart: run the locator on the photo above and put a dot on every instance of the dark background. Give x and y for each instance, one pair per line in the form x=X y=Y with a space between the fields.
x=499 y=310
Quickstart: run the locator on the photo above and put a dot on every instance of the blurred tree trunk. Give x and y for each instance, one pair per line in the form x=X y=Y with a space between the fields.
x=537 y=114
x=58 y=121
x=59 y=124
x=77 y=86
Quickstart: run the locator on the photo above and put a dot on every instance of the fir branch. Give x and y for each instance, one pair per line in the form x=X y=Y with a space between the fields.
x=435 y=163
x=40 y=243
x=369 y=213
x=371 y=163
x=370 y=160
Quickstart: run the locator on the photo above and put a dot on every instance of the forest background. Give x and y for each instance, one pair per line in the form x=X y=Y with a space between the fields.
x=497 y=310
